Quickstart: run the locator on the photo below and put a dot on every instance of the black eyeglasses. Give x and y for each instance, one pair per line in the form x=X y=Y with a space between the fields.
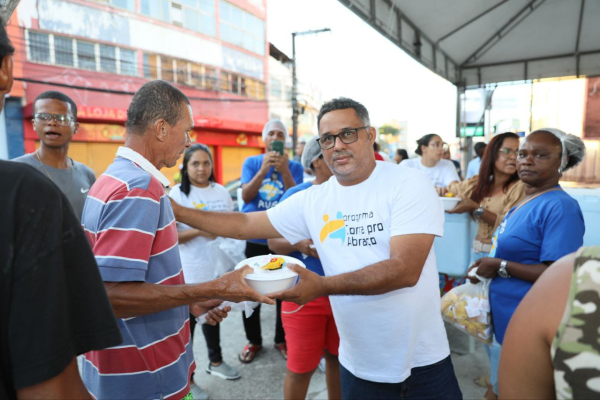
x=60 y=119
x=347 y=136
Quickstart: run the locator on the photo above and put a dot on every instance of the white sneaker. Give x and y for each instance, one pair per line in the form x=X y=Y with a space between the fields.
x=223 y=371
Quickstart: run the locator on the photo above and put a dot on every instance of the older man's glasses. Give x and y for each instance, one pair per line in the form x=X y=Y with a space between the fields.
x=60 y=119
x=347 y=136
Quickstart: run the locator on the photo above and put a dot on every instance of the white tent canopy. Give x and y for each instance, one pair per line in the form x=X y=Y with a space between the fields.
x=472 y=43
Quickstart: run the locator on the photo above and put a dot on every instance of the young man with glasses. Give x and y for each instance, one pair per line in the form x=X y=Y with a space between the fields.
x=55 y=122
x=373 y=226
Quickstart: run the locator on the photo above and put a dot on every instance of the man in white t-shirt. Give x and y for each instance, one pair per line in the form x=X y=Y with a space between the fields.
x=373 y=225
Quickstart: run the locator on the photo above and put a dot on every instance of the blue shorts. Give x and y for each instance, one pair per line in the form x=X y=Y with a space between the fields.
x=435 y=381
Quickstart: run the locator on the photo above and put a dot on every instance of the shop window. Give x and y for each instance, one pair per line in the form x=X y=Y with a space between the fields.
x=86 y=55
x=63 y=51
x=128 y=62
x=166 y=69
x=108 y=58
x=182 y=73
x=229 y=82
x=151 y=66
x=158 y=9
x=241 y=28
x=39 y=47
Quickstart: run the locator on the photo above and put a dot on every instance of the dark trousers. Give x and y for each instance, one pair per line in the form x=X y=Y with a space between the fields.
x=212 y=335
x=252 y=324
x=435 y=381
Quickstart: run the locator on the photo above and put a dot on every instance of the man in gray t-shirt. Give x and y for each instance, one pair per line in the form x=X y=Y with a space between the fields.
x=55 y=122
x=74 y=182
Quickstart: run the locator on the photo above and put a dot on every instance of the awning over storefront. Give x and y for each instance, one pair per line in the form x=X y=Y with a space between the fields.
x=472 y=43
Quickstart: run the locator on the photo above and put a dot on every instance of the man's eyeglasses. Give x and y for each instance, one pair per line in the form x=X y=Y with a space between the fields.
x=347 y=136
x=60 y=119
x=507 y=152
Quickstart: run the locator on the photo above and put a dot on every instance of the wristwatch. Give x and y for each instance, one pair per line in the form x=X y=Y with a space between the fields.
x=502 y=271
x=478 y=212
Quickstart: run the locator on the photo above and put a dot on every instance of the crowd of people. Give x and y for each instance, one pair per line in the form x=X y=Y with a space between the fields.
x=115 y=268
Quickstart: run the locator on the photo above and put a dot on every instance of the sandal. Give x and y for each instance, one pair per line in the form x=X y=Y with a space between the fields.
x=282 y=347
x=249 y=352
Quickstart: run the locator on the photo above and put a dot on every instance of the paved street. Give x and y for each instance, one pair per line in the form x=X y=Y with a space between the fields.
x=263 y=378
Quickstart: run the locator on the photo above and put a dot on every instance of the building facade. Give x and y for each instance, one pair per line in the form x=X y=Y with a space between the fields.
x=100 y=52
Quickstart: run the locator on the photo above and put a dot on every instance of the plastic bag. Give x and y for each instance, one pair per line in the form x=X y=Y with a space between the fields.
x=224 y=254
x=467 y=307
x=246 y=306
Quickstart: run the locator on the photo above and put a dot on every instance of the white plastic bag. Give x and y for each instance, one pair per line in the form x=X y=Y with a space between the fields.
x=467 y=307
x=224 y=254
x=247 y=306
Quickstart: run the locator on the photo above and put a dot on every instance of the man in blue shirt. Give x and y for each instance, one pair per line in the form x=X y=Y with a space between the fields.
x=264 y=180
x=474 y=164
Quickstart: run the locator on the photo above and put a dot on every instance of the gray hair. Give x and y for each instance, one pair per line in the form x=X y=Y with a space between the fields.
x=155 y=100
x=344 y=103
x=573 y=148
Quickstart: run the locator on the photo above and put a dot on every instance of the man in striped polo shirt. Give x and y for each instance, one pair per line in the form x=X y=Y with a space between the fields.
x=130 y=224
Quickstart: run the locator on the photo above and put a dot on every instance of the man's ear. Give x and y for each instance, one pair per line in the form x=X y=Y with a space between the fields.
x=76 y=128
x=6 y=75
x=372 y=134
x=160 y=130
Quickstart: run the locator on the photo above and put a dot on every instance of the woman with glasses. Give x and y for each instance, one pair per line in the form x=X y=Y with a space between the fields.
x=441 y=172
x=545 y=226
x=491 y=194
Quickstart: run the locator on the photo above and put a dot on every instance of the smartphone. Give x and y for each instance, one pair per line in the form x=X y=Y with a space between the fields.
x=277 y=145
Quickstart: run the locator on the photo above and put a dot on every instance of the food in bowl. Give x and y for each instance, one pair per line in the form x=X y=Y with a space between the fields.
x=450 y=202
x=266 y=281
x=449 y=194
x=275 y=264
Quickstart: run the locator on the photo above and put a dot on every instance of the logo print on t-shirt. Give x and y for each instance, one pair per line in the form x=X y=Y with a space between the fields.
x=199 y=206
x=334 y=229
x=271 y=190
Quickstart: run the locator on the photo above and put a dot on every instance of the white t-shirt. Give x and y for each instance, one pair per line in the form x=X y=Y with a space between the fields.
x=381 y=337
x=441 y=175
x=194 y=260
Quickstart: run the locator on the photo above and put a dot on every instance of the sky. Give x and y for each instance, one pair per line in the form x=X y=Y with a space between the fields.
x=355 y=61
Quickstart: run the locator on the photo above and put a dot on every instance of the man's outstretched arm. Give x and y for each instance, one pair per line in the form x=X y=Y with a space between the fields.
x=134 y=299
x=408 y=254
x=235 y=225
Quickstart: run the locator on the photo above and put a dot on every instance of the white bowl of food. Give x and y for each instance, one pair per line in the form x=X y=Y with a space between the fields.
x=271 y=273
x=450 y=202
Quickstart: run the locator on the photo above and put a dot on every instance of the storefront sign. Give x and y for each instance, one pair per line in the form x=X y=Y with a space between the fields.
x=101 y=113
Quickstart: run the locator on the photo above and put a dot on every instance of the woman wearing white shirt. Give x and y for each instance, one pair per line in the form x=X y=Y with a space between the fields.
x=441 y=172
x=199 y=190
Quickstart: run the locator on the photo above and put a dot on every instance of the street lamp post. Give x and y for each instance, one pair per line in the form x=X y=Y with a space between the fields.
x=295 y=84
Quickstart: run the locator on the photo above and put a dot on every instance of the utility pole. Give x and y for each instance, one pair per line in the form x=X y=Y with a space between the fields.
x=295 y=85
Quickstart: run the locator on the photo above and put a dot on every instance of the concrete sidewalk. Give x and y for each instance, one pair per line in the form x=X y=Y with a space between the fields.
x=263 y=378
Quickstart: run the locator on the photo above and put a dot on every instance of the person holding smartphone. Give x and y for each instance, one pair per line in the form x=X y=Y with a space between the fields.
x=265 y=178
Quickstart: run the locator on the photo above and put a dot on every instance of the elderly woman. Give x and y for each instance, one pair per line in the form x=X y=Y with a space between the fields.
x=489 y=195
x=545 y=226
x=441 y=172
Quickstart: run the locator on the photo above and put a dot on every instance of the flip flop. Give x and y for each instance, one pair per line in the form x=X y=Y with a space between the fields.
x=249 y=352
x=282 y=347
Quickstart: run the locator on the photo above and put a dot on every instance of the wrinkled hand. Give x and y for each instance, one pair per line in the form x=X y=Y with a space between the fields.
x=309 y=287
x=486 y=268
x=441 y=191
x=210 y=307
x=282 y=163
x=466 y=205
x=304 y=247
x=176 y=207
x=233 y=287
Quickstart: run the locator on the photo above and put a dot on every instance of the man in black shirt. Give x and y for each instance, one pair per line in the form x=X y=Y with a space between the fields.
x=53 y=304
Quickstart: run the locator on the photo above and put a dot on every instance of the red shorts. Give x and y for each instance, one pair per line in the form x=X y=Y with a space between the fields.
x=308 y=332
